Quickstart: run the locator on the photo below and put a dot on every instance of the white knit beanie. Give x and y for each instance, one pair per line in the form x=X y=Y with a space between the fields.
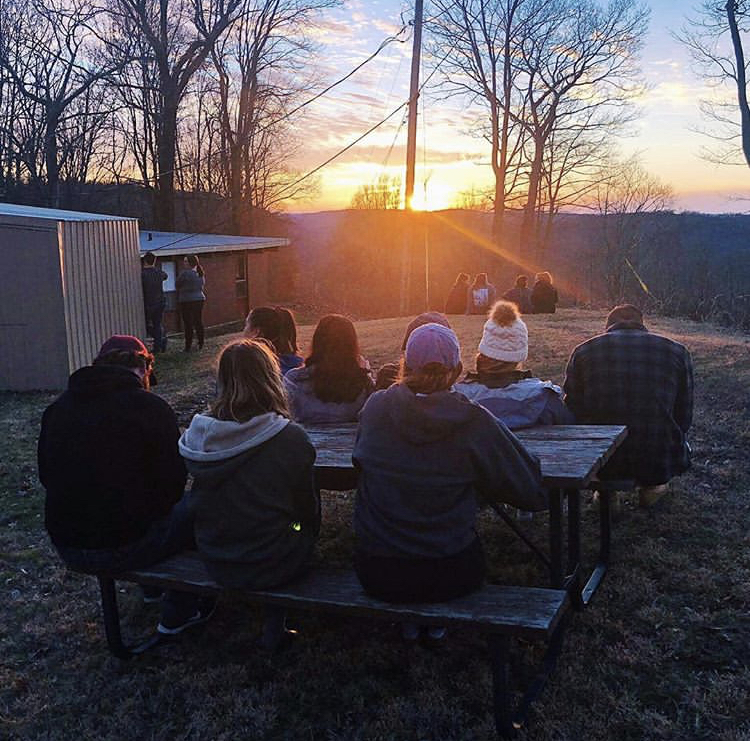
x=505 y=336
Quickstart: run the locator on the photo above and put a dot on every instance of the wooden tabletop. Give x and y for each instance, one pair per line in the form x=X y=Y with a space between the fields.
x=570 y=455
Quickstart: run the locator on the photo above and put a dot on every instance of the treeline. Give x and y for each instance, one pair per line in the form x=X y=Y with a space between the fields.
x=690 y=265
x=168 y=95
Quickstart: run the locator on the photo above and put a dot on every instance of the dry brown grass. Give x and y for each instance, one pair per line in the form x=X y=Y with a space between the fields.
x=662 y=653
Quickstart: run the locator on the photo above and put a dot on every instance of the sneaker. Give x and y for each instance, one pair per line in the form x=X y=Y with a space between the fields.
x=524 y=515
x=174 y=626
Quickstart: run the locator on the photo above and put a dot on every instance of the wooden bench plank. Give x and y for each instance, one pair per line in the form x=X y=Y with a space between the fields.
x=527 y=612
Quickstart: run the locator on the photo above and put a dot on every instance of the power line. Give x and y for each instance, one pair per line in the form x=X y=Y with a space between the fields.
x=341 y=151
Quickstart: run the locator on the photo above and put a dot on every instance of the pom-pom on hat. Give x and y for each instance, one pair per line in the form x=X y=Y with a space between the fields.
x=505 y=336
x=432 y=343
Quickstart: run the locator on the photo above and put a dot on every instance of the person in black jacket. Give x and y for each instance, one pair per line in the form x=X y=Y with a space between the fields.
x=456 y=301
x=544 y=295
x=153 y=300
x=108 y=459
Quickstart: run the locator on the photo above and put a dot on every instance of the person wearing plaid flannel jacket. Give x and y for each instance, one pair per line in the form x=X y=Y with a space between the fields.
x=634 y=377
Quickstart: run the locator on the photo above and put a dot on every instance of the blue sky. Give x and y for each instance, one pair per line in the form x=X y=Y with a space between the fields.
x=448 y=158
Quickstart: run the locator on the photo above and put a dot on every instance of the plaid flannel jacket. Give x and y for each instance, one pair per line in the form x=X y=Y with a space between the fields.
x=632 y=377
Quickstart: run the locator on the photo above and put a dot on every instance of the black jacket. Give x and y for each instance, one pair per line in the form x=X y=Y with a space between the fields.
x=108 y=459
x=153 y=291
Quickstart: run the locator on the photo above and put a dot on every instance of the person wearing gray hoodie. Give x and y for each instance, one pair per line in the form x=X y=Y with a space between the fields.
x=257 y=511
x=428 y=458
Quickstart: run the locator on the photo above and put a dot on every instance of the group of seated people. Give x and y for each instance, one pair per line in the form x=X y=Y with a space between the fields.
x=433 y=445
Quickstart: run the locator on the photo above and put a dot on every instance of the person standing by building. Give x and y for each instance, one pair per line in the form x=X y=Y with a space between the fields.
x=191 y=298
x=152 y=279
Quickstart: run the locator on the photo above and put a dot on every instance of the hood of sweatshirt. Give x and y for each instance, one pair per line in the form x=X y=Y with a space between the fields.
x=210 y=440
x=426 y=418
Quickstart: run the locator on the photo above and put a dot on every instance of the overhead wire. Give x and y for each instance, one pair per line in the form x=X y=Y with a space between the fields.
x=345 y=149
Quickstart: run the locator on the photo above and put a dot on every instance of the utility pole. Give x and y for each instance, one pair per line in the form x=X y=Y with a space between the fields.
x=411 y=156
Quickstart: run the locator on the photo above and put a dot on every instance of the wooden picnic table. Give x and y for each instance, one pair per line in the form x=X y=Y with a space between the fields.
x=571 y=456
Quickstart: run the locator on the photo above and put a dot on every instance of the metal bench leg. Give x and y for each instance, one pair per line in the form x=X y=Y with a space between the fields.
x=605 y=543
x=499 y=650
x=572 y=581
x=112 y=618
x=542 y=677
x=555 y=538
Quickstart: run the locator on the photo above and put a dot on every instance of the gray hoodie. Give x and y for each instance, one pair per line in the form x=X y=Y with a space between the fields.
x=426 y=463
x=257 y=512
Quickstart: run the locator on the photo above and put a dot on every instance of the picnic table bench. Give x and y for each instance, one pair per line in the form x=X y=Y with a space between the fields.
x=503 y=613
x=570 y=456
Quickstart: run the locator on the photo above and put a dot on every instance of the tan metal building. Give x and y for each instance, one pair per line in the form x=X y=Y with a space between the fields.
x=71 y=280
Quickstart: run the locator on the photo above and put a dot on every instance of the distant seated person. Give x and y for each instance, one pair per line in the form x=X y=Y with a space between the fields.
x=277 y=326
x=114 y=478
x=480 y=296
x=501 y=386
x=456 y=301
x=544 y=295
x=520 y=295
x=630 y=376
x=334 y=381
x=388 y=373
x=428 y=459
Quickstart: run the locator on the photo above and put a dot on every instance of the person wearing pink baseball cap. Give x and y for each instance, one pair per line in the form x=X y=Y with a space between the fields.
x=427 y=459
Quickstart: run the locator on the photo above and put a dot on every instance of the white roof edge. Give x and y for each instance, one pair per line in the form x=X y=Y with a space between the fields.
x=270 y=243
x=20 y=211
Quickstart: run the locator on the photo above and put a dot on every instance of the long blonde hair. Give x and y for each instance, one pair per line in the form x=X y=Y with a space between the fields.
x=248 y=382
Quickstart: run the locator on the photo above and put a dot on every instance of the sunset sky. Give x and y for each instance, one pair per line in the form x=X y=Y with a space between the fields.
x=449 y=158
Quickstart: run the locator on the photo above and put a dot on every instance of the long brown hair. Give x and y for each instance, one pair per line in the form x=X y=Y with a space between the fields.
x=248 y=383
x=287 y=342
x=429 y=378
x=334 y=358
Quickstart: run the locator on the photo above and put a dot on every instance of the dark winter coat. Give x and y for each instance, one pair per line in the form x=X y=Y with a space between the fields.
x=426 y=462
x=108 y=459
x=521 y=297
x=630 y=376
x=544 y=298
x=257 y=512
x=153 y=291
x=456 y=301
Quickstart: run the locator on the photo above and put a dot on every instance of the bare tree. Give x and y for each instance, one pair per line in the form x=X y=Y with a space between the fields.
x=582 y=74
x=484 y=69
x=179 y=35
x=258 y=66
x=384 y=193
x=715 y=41
x=45 y=49
x=626 y=194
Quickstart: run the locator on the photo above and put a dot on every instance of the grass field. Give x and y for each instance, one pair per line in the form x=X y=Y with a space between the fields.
x=662 y=653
